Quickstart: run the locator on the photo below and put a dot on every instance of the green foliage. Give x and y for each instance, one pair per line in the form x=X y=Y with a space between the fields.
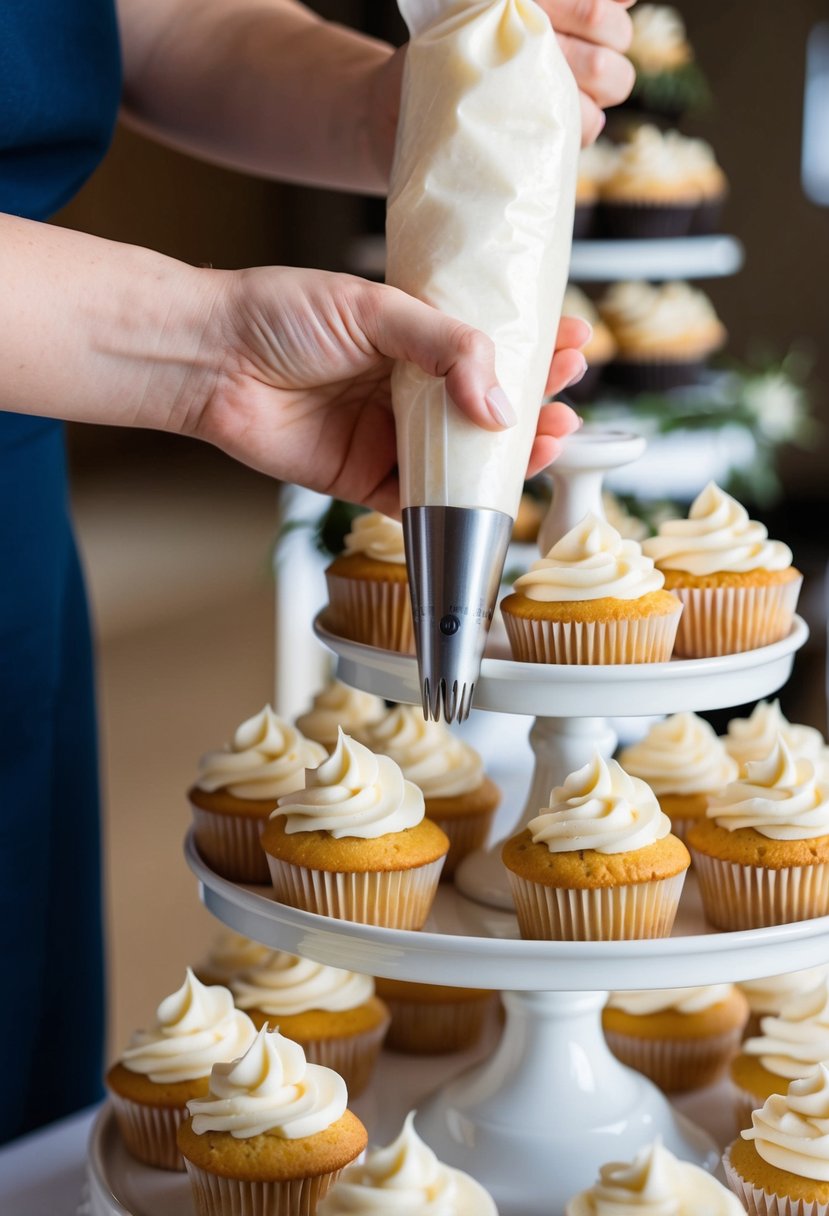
x=680 y=91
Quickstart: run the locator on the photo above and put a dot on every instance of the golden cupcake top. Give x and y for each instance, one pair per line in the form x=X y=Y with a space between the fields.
x=339 y=705
x=659 y=42
x=650 y=168
x=797 y=1039
x=428 y=753
x=791 y=1130
x=681 y=755
x=266 y=757
x=284 y=985
x=669 y=317
x=780 y=797
x=376 y=536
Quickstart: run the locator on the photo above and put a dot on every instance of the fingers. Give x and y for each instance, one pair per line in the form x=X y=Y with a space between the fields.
x=603 y=75
x=573 y=332
x=555 y=422
x=544 y=451
x=603 y=22
x=567 y=367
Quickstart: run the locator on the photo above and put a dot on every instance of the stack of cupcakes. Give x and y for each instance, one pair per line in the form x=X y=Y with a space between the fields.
x=368 y=586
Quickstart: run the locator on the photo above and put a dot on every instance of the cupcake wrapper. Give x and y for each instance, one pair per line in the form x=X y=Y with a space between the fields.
x=466 y=833
x=436 y=1028
x=649 y=639
x=643 y=221
x=676 y=1065
x=727 y=620
x=638 y=910
x=353 y=1056
x=149 y=1132
x=216 y=1196
x=707 y=217
x=751 y=897
x=231 y=845
x=758 y=1202
x=746 y=1103
x=653 y=375
x=378 y=614
x=398 y=899
x=583 y=218
x=681 y=827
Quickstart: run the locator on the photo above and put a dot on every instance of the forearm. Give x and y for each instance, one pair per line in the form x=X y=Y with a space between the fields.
x=265 y=86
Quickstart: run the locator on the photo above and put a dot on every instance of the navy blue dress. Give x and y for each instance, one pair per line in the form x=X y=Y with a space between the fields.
x=60 y=82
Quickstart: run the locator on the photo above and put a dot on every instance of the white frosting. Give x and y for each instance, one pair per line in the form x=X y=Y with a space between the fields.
x=353 y=793
x=791 y=1131
x=649 y=158
x=752 y=738
x=780 y=797
x=577 y=304
x=284 y=985
x=600 y=807
x=194 y=1028
x=792 y=1044
x=439 y=763
x=378 y=537
x=591 y=562
x=770 y=994
x=596 y=163
x=231 y=953
x=675 y=1000
x=338 y=705
x=479 y=224
x=265 y=759
x=717 y=536
x=644 y=317
x=629 y=527
x=659 y=40
x=681 y=755
x=406 y=1178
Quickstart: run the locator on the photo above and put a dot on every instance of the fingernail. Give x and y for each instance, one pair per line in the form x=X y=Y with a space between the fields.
x=579 y=374
x=603 y=122
x=577 y=422
x=589 y=331
x=499 y=407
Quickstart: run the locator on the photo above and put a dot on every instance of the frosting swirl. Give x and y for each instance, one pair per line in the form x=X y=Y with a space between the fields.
x=338 y=705
x=353 y=793
x=647 y=318
x=770 y=994
x=791 y=1131
x=378 y=537
x=284 y=985
x=591 y=562
x=429 y=755
x=195 y=1028
x=717 y=536
x=792 y=1044
x=659 y=41
x=648 y=157
x=600 y=807
x=779 y=797
x=230 y=953
x=271 y=1088
x=677 y=1000
x=266 y=758
x=752 y=738
x=680 y=755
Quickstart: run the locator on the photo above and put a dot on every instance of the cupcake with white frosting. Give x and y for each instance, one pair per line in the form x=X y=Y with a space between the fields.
x=707 y=176
x=334 y=1014
x=768 y=996
x=599 y=864
x=368 y=586
x=739 y=588
x=228 y=954
x=752 y=738
x=596 y=163
x=599 y=348
x=271 y=1135
x=682 y=1038
x=595 y=598
x=762 y=852
x=650 y=191
x=170 y=1063
x=406 y=1177
x=337 y=705
x=355 y=843
x=668 y=79
x=237 y=789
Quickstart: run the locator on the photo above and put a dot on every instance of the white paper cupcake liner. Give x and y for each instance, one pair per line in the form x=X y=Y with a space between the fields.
x=648 y=639
x=676 y=1065
x=369 y=611
x=436 y=1027
x=231 y=844
x=216 y=1196
x=622 y=913
x=752 y=897
x=398 y=899
x=758 y=1202
x=466 y=833
x=353 y=1056
x=149 y=1132
x=727 y=620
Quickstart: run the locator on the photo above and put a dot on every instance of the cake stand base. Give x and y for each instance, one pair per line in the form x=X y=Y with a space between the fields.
x=535 y=1121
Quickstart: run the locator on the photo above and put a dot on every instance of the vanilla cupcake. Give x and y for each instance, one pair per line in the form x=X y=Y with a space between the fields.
x=271 y=1136
x=594 y=598
x=668 y=80
x=237 y=789
x=368 y=586
x=167 y=1065
x=684 y=762
x=768 y=996
x=355 y=843
x=752 y=738
x=332 y=1013
x=705 y=173
x=650 y=192
x=599 y=864
x=459 y=796
x=406 y=1177
x=599 y=348
x=682 y=1038
x=228 y=954
x=337 y=705
x=433 y=1019
x=762 y=852
x=739 y=588
x=596 y=163
x=658 y=1182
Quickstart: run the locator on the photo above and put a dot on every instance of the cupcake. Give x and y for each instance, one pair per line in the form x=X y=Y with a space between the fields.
x=650 y=192
x=596 y=163
x=368 y=587
x=431 y=1019
x=333 y=1014
x=406 y=1177
x=272 y=1134
x=167 y=1065
x=762 y=852
x=459 y=796
x=237 y=788
x=752 y=738
x=768 y=996
x=703 y=170
x=355 y=843
x=739 y=588
x=629 y=527
x=668 y=80
x=682 y=1038
x=599 y=349
x=780 y=1165
x=684 y=763
x=229 y=953
x=600 y=864
x=337 y=706
x=655 y=1181
x=594 y=598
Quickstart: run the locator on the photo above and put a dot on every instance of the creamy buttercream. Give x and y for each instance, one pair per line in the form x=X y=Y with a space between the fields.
x=229 y=953
x=793 y=1043
x=677 y=1000
x=596 y=163
x=681 y=755
x=780 y=797
x=266 y=758
x=659 y=42
x=629 y=527
x=649 y=160
x=645 y=318
x=336 y=706
x=791 y=1131
x=378 y=537
x=752 y=738
x=770 y=994
x=284 y=985
x=438 y=762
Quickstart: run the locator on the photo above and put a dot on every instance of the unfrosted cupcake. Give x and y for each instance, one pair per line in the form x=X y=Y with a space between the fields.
x=682 y=1038
x=594 y=598
x=337 y=706
x=355 y=843
x=684 y=763
x=739 y=588
x=167 y=1065
x=406 y=1177
x=657 y=1182
x=767 y=997
x=237 y=789
x=228 y=954
x=752 y=738
x=332 y=1013
x=368 y=586
x=599 y=348
x=272 y=1134
x=650 y=192
x=432 y=1019
x=599 y=864
x=762 y=852
x=459 y=796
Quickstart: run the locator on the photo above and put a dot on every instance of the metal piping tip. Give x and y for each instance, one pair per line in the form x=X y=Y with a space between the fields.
x=455 y=557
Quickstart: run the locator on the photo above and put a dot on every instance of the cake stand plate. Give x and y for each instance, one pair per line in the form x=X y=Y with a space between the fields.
x=120 y=1186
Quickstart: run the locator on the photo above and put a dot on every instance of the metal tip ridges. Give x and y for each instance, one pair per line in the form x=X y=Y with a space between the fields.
x=455 y=702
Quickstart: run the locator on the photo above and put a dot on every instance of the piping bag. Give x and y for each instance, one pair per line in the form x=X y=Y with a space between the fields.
x=479 y=224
